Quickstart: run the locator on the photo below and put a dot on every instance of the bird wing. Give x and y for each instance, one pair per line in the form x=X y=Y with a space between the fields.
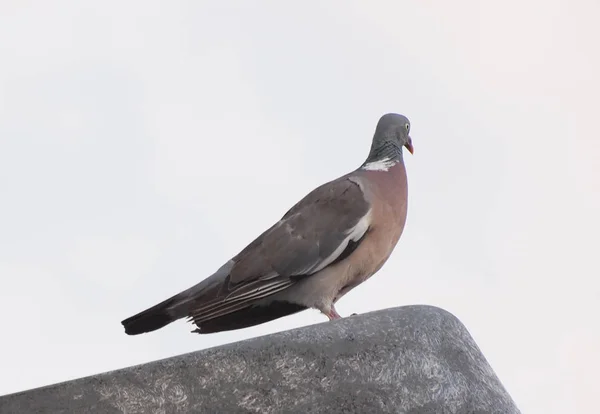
x=321 y=229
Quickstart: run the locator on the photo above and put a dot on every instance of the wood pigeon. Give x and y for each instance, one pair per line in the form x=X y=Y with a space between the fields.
x=331 y=241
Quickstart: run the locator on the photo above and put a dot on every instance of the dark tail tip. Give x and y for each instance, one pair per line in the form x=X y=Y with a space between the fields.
x=149 y=320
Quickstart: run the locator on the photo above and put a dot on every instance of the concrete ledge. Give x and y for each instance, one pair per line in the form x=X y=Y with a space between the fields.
x=412 y=360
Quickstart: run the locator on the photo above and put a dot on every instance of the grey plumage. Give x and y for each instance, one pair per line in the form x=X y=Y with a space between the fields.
x=329 y=242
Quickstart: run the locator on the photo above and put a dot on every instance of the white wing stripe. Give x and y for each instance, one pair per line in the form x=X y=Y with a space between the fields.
x=354 y=234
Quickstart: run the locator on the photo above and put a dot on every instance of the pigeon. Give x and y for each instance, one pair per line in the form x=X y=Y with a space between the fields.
x=331 y=241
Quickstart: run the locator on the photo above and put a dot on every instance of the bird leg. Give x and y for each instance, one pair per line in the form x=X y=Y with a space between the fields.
x=333 y=314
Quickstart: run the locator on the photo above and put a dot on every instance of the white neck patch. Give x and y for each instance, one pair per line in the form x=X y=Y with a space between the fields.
x=380 y=165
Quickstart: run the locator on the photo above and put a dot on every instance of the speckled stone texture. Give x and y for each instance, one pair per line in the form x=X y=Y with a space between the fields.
x=411 y=360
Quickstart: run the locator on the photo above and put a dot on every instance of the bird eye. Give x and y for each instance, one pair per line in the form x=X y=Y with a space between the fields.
x=407 y=126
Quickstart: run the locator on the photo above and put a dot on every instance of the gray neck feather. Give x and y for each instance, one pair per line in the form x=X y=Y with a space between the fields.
x=383 y=149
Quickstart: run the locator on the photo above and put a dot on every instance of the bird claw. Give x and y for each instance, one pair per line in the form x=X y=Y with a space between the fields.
x=332 y=315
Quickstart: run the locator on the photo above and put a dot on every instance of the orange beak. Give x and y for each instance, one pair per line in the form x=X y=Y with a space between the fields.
x=409 y=146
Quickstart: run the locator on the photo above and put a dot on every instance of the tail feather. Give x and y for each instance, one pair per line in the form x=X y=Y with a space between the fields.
x=249 y=316
x=151 y=319
x=178 y=306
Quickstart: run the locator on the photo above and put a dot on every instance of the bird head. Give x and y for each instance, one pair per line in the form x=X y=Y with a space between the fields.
x=395 y=128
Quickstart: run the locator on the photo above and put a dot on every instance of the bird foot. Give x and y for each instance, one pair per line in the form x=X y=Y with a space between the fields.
x=333 y=314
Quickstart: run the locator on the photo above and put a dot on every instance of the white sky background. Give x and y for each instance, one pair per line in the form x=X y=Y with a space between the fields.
x=142 y=144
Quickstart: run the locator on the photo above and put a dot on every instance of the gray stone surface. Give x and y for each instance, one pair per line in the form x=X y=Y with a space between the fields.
x=412 y=360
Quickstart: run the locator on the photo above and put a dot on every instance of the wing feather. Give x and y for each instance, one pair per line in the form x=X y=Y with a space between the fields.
x=257 y=291
x=236 y=304
x=309 y=237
